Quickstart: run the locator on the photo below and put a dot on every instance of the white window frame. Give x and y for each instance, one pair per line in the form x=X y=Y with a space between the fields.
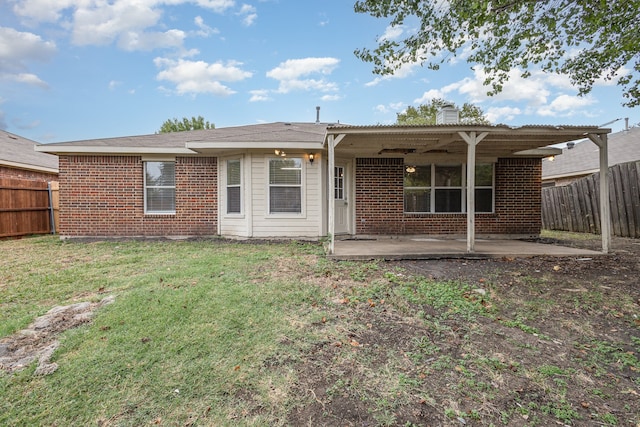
x=227 y=186
x=463 y=189
x=146 y=187
x=485 y=187
x=301 y=186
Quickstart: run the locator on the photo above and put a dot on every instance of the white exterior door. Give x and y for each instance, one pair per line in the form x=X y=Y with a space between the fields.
x=341 y=196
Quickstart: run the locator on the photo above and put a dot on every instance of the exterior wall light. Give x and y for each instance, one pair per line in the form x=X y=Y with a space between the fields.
x=312 y=157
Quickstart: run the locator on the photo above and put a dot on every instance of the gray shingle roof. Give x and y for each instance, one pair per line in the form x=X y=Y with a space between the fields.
x=16 y=151
x=267 y=132
x=584 y=158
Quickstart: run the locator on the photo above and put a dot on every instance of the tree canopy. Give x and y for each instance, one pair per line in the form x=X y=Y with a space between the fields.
x=425 y=114
x=176 y=125
x=585 y=40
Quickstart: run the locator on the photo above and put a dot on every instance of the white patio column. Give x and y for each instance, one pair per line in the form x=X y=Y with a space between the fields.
x=331 y=217
x=332 y=142
x=605 y=209
x=472 y=139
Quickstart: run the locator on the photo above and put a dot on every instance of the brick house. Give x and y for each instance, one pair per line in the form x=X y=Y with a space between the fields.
x=309 y=180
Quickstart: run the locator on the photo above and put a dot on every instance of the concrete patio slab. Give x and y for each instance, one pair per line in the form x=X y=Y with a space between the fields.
x=433 y=248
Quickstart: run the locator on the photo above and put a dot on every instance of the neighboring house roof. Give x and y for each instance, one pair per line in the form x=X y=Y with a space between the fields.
x=391 y=140
x=583 y=158
x=18 y=152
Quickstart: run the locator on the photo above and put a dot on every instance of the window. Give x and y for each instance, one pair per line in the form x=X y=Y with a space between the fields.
x=417 y=189
x=234 y=186
x=160 y=187
x=338 y=183
x=484 y=187
x=448 y=188
x=285 y=185
x=442 y=188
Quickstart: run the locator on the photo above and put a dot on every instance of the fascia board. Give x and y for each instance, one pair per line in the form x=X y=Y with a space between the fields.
x=203 y=145
x=27 y=166
x=74 y=149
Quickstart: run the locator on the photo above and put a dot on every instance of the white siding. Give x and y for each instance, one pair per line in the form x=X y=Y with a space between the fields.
x=236 y=225
x=256 y=221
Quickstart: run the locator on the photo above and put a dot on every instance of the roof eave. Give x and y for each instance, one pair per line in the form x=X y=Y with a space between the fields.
x=96 y=150
x=200 y=146
x=28 y=167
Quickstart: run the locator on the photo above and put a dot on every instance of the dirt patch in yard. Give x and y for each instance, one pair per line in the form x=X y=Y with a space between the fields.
x=39 y=340
x=543 y=341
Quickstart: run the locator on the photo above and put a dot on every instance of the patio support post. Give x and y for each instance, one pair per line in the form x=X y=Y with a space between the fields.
x=331 y=227
x=332 y=141
x=472 y=139
x=605 y=209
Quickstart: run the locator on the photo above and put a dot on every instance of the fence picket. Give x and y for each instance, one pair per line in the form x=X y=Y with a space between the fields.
x=576 y=207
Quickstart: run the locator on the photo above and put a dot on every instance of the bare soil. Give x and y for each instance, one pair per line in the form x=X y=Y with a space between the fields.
x=559 y=345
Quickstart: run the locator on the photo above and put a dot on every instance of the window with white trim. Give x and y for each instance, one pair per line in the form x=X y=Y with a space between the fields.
x=484 y=187
x=442 y=188
x=285 y=185
x=234 y=187
x=160 y=187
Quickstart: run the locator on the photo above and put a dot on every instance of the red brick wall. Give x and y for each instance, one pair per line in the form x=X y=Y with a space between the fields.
x=379 y=201
x=7 y=172
x=104 y=196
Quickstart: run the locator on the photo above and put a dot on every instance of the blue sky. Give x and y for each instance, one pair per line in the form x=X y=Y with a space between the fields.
x=83 y=69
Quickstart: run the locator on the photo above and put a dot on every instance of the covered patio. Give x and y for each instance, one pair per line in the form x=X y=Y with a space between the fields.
x=426 y=247
x=466 y=144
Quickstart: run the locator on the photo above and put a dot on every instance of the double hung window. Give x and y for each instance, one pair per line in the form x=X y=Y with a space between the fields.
x=234 y=187
x=160 y=187
x=285 y=185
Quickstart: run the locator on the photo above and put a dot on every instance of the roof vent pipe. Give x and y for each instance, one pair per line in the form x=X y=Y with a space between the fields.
x=626 y=124
x=570 y=145
x=318 y=114
x=448 y=115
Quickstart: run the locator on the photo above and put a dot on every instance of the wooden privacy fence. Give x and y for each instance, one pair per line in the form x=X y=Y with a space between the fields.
x=576 y=207
x=27 y=207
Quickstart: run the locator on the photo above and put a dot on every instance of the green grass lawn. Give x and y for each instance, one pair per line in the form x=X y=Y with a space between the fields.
x=219 y=333
x=189 y=332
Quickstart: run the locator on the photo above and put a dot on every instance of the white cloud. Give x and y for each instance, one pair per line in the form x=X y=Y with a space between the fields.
x=105 y=23
x=402 y=71
x=194 y=77
x=392 y=33
x=30 y=79
x=393 y=107
x=113 y=84
x=542 y=94
x=134 y=41
x=291 y=72
x=565 y=105
x=17 y=49
x=331 y=98
x=429 y=95
x=205 y=30
x=133 y=25
x=259 y=95
x=249 y=15
x=502 y=114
